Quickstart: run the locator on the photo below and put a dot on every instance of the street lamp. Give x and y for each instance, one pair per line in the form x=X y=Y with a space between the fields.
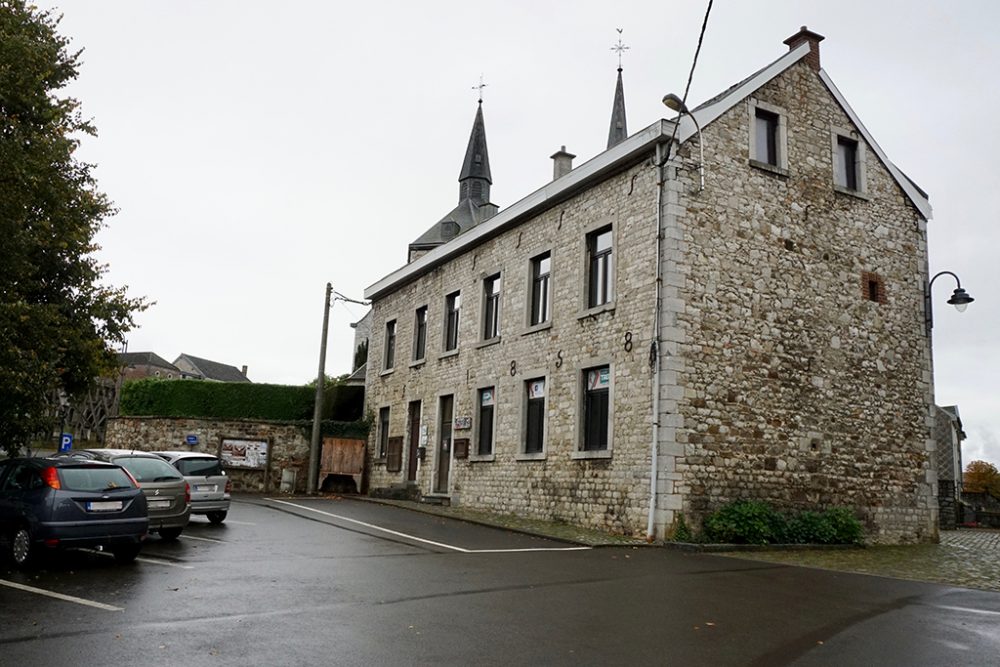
x=959 y=298
x=675 y=103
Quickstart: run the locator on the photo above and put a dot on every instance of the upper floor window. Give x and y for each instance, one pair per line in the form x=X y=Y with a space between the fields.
x=452 y=309
x=846 y=164
x=491 y=307
x=600 y=262
x=766 y=136
x=419 y=333
x=390 y=344
x=541 y=288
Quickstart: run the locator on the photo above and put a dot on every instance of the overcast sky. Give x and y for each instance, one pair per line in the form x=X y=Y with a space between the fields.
x=257 y=150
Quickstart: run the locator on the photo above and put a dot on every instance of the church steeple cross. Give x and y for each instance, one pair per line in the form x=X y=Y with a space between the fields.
x=480 y=88
x=620 y=48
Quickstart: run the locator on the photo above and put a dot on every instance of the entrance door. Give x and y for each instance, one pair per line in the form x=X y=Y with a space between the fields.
x=414 y=419
x=444 y=445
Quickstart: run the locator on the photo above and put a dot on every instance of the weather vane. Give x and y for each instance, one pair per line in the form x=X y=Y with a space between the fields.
x=480 y=88
x=620 y=48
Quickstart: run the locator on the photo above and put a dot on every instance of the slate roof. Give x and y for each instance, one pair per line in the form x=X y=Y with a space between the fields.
x=145 y=359
x=213 y=370
x=618 y=131
x=465 y=215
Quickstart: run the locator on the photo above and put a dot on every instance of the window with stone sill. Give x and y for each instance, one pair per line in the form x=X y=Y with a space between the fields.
x=768 y=137
x=596 y=403
x=383 y=432
x=452 y=309
x=390 y=345
x=534 y=417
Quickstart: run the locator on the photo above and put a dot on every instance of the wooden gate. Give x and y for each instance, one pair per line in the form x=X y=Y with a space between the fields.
x=342 y=458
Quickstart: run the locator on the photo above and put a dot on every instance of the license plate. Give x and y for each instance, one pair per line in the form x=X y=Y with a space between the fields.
x=158 y=504
x=104 y=506
x=205 y=488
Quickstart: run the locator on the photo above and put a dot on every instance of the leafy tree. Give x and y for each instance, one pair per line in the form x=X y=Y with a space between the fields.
x=57 y=320
x=360 y=355
x=981 y=476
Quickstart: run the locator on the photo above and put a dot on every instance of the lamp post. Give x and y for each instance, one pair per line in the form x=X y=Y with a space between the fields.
x=675 y=103
x=959 y=298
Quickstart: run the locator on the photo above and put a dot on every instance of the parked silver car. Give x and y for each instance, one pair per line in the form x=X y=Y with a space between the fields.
x=168 y=495
x=210 y=487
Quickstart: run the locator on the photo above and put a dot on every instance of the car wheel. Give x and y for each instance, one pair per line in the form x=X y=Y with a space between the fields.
x=170 y=534
x=126 y=554
x=21 y=550
x=216 y=517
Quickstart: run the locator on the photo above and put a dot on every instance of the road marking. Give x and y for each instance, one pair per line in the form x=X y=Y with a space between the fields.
x=969 y=610
x=203 y=539
x=240 y=523
x=60 y=596
x=157 y=561
x=420 y=539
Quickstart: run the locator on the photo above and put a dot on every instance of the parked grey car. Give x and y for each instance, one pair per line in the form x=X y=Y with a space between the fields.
x=168 y=495
x=210 y=487
x=65 y=503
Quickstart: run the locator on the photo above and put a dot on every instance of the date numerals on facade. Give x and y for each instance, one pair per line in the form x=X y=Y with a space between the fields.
x=513 y=368
x=627 y=344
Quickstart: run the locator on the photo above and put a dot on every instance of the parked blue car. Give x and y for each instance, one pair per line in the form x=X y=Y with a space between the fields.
x=48 y=504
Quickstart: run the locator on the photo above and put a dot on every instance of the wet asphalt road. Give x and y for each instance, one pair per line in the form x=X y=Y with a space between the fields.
x=344 y=582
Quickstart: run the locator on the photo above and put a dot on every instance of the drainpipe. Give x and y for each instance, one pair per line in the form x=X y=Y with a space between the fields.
x=654 y=352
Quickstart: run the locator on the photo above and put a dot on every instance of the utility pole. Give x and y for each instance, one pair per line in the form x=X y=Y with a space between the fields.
x=314 y=445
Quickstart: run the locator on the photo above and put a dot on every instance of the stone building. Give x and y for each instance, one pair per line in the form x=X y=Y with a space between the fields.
x=703 y=312
x=948 y=437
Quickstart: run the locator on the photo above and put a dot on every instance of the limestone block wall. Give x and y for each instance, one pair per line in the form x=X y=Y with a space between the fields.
x=610 y=493
x=287 y=443
x=795 y=386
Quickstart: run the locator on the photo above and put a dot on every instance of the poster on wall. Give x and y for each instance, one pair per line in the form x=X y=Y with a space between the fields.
x=244 y=453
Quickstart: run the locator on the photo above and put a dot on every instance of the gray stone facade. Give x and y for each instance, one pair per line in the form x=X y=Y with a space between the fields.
x=766 y=337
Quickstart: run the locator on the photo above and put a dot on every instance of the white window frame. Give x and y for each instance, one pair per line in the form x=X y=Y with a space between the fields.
x=483 y=341
x=388 y=365
x=588 y=310
x=529 y=291
x=445 y=352
x=416 y=361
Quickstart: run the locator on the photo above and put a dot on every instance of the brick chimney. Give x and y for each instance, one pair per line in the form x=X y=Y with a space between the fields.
x=806 y=35
x=244 y=370
x=562 y=163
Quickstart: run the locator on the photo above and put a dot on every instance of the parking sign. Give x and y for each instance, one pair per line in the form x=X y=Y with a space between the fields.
x=66 y=442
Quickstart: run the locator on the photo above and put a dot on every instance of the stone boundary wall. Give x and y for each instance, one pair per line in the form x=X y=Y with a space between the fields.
x=288 y=445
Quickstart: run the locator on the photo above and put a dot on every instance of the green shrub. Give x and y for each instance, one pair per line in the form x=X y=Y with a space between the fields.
x=755 y=522
x=811 y=528
x=745 y=522
x=846 y=527
x=236 y=400
x=681 y=531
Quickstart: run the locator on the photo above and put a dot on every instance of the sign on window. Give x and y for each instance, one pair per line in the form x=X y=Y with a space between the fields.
x=598 y=378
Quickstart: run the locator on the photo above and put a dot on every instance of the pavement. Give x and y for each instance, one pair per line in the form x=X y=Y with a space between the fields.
x=967 y=557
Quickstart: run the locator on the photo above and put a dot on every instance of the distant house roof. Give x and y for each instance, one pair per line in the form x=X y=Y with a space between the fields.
x=145 y=359
x=357 y=378
x=211 y=370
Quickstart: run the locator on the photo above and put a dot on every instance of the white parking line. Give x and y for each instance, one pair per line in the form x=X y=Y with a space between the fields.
x=157 y=561
x=968 y=610
x=203 y=539
x=240 y=523
x=420 y=539
x=60 y=596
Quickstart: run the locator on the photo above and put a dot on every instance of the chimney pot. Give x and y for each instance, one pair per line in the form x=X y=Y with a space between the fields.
x=562 y=163
x=806 y=35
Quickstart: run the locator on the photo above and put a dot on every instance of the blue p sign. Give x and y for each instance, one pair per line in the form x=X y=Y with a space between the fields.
x=66 y=442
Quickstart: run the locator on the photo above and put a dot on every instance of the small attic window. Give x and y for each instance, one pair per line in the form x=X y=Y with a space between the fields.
x=449 y=229
x=873 y=287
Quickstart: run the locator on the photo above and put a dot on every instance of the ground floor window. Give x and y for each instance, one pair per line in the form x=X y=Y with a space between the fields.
x=487 y=403
x=597 y=385
x=535 y=415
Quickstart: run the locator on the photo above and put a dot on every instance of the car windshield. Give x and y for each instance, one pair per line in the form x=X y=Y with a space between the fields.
x=147 y=469
x=196 y=467
x=94 y=478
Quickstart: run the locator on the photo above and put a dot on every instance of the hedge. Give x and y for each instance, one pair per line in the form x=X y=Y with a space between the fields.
x=237 y=400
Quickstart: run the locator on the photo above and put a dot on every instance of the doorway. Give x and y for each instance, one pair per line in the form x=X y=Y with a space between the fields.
x=414 y=422
x=444 y=444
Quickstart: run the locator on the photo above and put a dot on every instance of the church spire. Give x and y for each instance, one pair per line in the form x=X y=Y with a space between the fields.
x=475 y=180
x=618 y=130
